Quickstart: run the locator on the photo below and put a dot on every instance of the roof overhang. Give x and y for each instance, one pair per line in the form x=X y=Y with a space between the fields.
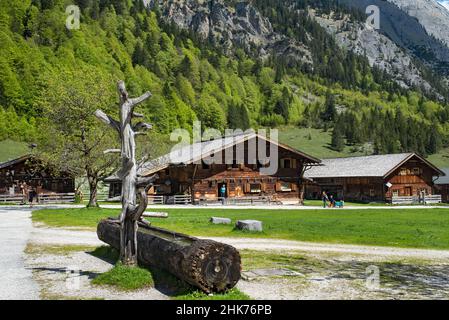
x=439 y=172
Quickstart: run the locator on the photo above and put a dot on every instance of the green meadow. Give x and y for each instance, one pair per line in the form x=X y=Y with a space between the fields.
x=408 y=228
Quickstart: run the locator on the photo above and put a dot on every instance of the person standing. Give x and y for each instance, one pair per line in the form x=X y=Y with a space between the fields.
x=325 y=199
x=223 y=191
x=332 y=201
x=24 y=191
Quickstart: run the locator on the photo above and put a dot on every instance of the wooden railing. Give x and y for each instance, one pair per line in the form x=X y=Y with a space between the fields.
x=433 y=199
x=428 y=199
x=56 y=198
x=182 y=199
x=256 y=200
x=6 y=198
x=41 y=198
x=156 y=199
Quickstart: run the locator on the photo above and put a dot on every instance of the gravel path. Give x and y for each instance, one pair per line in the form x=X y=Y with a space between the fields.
x=273 y=244
x=15 y=279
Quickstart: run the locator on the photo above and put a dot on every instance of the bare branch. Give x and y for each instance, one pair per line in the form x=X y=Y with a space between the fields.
x=143 y=182
x=107 y=120
x=142 y=98
x=142 y=126
x=112 y=151
x=138 y=115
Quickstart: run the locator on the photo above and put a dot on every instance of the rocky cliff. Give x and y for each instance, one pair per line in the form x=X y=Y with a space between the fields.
x=410 y=30
x=231 y=26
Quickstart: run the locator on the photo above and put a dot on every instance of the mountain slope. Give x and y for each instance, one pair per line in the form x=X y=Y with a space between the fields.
x=400 y=25
x=224 y=79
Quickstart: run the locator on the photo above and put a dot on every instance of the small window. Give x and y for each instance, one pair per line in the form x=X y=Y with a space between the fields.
x=416 y=171
x=286 y=187
x=255 y=188
x=395 y=193
x=288 y=163
x=403 y=172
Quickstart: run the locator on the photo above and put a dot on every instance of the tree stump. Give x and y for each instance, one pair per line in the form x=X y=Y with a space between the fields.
x=208 y=265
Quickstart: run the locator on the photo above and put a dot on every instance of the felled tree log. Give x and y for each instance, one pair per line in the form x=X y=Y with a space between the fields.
x=209 y=265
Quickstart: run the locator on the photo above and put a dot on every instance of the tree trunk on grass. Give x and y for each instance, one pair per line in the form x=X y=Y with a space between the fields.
x=208 y=265
x=93 y=189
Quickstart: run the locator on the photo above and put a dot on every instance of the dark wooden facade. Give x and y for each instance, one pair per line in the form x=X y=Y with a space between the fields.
x=411 y=178
x=203 y=182
x=442 y=185
x=31 y=171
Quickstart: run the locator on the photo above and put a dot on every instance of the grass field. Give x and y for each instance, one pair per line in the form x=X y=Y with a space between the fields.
x=415 y=228
x=319 y=145
x=12 y=149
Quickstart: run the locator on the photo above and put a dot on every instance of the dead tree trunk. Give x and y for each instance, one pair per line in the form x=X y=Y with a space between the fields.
x=132 y=209
x=211 y=266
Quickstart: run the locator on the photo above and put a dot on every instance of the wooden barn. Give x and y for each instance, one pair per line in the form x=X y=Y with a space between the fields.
x=373 y=178
x=188 y=172
x=31 y=171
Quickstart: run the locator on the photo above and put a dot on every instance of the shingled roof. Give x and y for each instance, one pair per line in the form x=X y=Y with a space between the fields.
x=442 y=180
x=197 y=151
x=9 y=163
x=368 y=166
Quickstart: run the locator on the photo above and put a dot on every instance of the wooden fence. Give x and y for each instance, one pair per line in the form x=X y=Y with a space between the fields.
x=428 y=199
x=41 y=198
x=156 y=200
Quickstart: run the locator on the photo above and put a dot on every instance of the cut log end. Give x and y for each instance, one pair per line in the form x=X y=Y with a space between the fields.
x=208 y=265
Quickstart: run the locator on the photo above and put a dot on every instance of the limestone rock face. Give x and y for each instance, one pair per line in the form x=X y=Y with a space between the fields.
x=378 y=48
x=430 y=14
x=230 y=26
x=412 y=34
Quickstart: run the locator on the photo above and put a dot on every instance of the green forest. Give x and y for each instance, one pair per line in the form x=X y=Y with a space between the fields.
x=193 y=79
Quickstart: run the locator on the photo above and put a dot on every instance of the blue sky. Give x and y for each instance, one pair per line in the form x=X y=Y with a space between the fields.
x=444 y=3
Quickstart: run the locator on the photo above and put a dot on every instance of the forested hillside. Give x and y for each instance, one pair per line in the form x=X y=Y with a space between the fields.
x=195 y=79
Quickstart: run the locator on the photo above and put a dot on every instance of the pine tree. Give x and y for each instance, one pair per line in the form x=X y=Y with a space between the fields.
x=338 y=141
x=330 y=111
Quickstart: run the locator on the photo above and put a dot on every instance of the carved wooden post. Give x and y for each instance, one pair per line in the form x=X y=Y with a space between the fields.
x=134 y=188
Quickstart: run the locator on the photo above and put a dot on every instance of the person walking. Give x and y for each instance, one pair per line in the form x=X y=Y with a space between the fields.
x=325 y=199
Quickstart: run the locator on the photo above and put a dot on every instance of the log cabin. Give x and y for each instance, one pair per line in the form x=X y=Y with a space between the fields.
x=194 y=171
x=372 y=178
x=34 y=173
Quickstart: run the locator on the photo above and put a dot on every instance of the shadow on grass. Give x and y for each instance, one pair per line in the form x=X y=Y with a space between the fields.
x=161 y=280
